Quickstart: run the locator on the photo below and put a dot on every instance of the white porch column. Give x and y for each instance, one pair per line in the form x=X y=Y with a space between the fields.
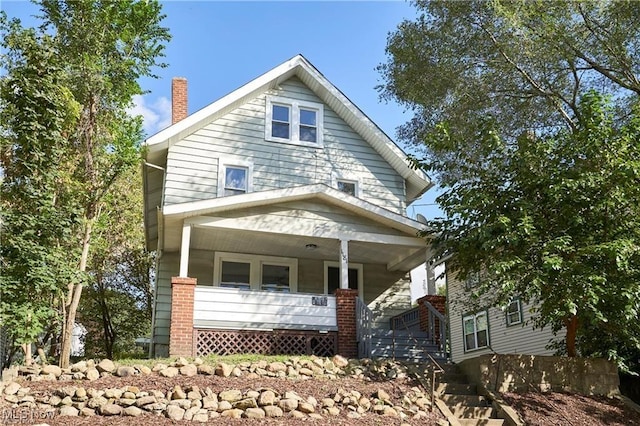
x=344 y=263
x=184 y=250
x=431 y=279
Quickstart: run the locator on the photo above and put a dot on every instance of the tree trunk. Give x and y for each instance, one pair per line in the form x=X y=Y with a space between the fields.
x=73 y=300
x=27 y=354
x=572 y=330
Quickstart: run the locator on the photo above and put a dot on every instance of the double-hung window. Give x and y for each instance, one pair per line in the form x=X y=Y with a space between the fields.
x=294 y=121
x=514 y=312
x=476 y=331
x=234 y=177
x=253 y=272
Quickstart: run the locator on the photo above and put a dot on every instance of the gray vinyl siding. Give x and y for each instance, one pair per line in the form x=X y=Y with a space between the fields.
x=312 y=213
x=193 y=163
x=167 y=267
x=519 y=339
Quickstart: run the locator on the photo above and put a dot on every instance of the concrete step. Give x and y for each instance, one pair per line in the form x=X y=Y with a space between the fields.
x=464 y=400
x=456 y=388
x=481 y=422
x=465 y=411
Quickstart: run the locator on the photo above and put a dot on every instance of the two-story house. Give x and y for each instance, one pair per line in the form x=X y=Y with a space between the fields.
x=263 y=204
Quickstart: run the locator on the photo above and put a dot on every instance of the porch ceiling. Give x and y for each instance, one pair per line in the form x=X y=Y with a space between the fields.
x=396 y=257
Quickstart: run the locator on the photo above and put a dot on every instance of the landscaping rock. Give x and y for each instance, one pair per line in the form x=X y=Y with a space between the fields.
x=12 y=388
x=69 y=411
x=106 y=366
x=169 y=372
x=132 y=411
x=223 y=370
x=230 y=396
x=189 y=370
x=92 y=374
x=125 y=371
x=174 y=412
x=51 y=369
x=110 y=410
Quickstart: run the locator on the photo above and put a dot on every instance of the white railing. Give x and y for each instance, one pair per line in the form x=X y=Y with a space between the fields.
x=216 y=307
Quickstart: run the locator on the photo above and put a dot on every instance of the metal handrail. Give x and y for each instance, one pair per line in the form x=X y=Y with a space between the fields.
x=436 y=370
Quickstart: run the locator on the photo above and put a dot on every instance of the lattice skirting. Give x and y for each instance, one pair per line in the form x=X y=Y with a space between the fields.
x=276 y=342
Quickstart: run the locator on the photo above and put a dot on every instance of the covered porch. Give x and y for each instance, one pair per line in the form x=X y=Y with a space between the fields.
x=273 y=262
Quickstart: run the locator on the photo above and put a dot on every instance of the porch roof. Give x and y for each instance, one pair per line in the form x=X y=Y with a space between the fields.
x=245 y=224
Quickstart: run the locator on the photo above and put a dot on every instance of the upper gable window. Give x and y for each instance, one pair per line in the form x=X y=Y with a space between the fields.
x=346 y=182
x=294 y=121
x=348 y=187
x=234 y=177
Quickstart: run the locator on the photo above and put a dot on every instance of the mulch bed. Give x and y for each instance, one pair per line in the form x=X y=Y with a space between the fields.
x=563 y=409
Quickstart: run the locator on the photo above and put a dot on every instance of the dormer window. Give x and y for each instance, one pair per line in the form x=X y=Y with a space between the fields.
x=293 y=121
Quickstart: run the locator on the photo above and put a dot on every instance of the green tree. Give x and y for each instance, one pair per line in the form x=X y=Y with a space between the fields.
x=117 y=306
x=526 y=64
x=105 y=47
x=540 y=173
x=39 y=214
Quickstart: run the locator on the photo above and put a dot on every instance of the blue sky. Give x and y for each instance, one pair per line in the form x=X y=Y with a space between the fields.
x=219 y=46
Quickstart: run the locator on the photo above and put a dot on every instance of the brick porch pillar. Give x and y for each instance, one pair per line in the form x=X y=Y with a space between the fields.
x=438 y=302
x=181 y=327
x=346 y=316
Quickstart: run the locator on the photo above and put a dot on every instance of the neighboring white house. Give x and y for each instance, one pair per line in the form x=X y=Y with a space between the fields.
x=503 y=330
x=272 y=197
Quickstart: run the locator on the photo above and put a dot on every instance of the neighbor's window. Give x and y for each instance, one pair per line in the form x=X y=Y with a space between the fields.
x=476 y=331
x=293 y=121
x=473 y=280
x=514 y=312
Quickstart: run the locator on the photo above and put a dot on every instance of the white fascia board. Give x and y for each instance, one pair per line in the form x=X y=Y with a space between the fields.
x=321 y=191
x=175 y=132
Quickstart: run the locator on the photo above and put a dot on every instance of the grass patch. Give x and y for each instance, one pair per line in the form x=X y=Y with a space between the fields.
x=214 y=359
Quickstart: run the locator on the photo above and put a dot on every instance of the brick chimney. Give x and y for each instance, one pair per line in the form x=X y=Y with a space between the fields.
x=178 y=99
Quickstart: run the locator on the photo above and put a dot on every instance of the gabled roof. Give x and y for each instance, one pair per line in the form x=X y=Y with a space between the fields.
x=298 y=66
x=276 y=196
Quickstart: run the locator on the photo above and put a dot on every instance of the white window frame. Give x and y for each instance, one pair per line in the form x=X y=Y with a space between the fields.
x=255 y=271
x=223 y=163
x=348 y=178
x=358 y=266
x=515 y=301
x=294 y=116
x=475 y=331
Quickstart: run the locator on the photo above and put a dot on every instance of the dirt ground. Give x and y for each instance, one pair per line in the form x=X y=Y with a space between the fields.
x=553 y=408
